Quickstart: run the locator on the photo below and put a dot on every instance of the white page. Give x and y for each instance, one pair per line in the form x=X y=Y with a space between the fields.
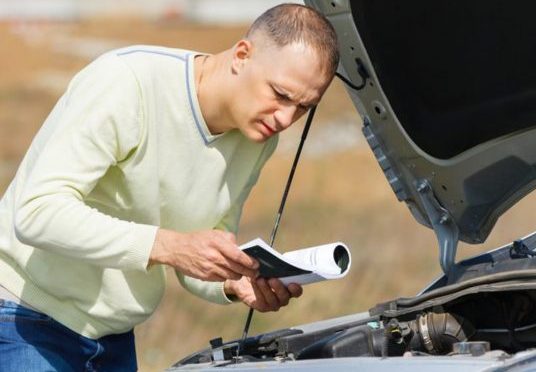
x=320 y=258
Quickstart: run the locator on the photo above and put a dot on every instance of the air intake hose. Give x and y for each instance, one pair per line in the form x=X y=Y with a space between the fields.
x=435 y=333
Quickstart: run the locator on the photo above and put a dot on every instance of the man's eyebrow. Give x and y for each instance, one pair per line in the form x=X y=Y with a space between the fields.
x=280 y=90
x=286 y=93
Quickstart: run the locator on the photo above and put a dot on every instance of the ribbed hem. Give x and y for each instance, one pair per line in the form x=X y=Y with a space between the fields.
x=139 y=247
x=14 y=280
x=224 y=298
x=214 y=293
x=210 y=291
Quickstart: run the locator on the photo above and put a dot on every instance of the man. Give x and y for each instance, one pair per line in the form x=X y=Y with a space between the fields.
x=146 y=161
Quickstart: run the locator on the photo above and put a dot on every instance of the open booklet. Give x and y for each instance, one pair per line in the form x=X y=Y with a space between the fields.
x=302 y=266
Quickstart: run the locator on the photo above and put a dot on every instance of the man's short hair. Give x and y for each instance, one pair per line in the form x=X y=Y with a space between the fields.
x=294 y=23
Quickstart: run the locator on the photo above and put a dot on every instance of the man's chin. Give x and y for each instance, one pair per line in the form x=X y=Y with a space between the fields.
x=256 y=137
x=259 y=139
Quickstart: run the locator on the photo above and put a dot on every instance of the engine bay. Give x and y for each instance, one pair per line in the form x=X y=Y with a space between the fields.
x=485 y=304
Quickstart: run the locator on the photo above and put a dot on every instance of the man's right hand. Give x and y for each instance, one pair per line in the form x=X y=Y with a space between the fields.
x=211 y=255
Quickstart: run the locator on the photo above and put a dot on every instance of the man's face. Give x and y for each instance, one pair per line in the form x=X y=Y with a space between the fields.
x=275 y=87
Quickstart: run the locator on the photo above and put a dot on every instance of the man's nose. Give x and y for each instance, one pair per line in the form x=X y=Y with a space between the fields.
x=284 y=116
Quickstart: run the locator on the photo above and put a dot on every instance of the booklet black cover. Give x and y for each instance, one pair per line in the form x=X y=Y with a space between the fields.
x=271 y=266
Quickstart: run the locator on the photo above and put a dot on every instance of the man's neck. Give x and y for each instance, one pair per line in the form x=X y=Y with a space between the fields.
x=210 y=82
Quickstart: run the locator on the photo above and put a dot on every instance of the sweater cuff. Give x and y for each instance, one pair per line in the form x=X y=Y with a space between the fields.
x=227 y=299
x=138 y=247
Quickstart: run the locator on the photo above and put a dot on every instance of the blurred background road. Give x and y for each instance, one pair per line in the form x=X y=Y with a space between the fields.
x=339 y=192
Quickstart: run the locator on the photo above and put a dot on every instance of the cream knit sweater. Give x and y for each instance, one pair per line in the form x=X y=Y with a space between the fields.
x=124 y=151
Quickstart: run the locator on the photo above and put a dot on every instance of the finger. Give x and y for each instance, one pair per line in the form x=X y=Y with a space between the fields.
x=269 y=296
x=230 y=236
x=237 y=268
x=215 y=257
x=227 y=235
x=281 y=292
x=229 y=274
x=220 y=274
x=212 y=278
x=233 y=253
x=295 y=290
x=259 y=303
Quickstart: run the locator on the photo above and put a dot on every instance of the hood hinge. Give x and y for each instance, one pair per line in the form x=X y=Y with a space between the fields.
x=445 y=228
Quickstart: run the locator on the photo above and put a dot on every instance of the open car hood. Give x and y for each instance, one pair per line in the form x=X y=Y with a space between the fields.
x=447 y=92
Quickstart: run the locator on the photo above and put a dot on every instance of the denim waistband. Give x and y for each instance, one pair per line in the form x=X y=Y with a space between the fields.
x=5 y=294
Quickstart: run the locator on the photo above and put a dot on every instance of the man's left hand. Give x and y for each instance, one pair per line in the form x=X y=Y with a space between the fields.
x=262 y=294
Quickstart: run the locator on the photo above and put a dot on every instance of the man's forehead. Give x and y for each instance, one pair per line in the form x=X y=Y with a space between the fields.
x=300 y=76
x=295 y=68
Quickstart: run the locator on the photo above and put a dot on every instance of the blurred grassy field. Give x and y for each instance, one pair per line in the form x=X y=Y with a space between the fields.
x=339 y=192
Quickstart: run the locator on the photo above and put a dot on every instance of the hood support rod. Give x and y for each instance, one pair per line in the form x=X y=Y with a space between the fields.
x=279 y=214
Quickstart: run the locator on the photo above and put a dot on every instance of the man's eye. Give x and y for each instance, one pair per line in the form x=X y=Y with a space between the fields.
x=281 y=95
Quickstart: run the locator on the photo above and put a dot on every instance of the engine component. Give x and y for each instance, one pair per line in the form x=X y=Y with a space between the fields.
x=474 y=348
x=433 y=333
x=362 y=340
x=439 y=331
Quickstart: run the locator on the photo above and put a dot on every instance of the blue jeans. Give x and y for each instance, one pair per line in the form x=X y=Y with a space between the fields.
x=32 y=341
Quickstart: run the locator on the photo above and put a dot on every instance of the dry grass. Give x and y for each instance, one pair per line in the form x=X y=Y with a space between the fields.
x=338 y=196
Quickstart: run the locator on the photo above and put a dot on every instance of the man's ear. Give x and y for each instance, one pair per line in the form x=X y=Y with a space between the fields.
x=241 y=54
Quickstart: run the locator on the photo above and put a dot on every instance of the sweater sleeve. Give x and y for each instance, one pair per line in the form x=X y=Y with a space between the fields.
x=213 y=291
x=210 y=291
x=94 y=126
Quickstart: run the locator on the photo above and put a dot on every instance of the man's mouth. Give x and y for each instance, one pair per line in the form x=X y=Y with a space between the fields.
x=267 y=129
